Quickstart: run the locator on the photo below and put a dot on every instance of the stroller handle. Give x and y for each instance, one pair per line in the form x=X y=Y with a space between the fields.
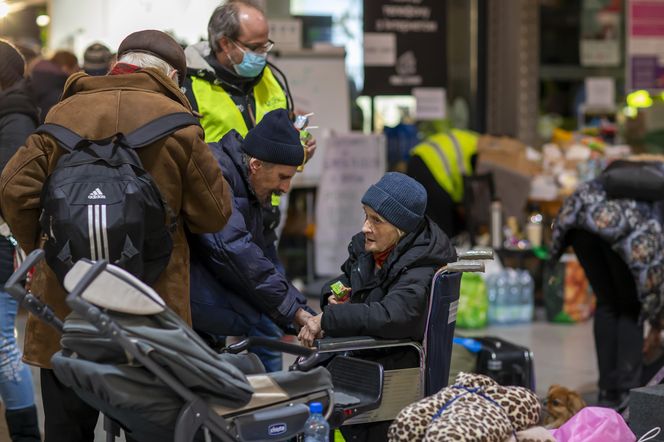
x=15 y=284
x=274 y=344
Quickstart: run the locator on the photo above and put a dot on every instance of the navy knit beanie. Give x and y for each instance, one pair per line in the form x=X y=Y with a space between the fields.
x=399 y=199
x=275 y=140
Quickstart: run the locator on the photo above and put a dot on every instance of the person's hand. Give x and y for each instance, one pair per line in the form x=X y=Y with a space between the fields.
x=346 y=291
x=301 y=317
x=652 y=342
x=310 y=149
x=311 y=331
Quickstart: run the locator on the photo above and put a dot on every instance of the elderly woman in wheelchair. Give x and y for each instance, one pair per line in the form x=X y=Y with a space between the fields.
x=384 y=289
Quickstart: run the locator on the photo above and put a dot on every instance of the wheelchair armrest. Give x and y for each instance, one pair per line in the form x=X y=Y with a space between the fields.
x=465 y=266
x=334 y=345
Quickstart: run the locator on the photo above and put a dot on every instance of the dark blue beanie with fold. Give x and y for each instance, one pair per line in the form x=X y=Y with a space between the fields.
x=275 y=140
x=399 y=199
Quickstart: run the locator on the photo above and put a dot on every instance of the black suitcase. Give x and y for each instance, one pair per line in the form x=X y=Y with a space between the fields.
x=507 y=363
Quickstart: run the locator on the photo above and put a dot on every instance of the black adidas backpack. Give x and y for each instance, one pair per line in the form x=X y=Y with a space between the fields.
x=99 y=202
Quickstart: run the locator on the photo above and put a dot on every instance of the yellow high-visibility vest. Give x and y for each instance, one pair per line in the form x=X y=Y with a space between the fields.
x=219 y=112
x=447 y=156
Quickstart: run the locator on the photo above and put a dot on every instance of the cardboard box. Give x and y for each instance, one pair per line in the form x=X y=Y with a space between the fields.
x=506 y=152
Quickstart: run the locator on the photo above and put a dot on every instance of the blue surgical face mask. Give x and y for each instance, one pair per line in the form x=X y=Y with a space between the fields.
x=252 y=63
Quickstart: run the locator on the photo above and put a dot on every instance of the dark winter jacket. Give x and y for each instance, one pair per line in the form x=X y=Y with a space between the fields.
x=391 y=302
x=48 y=82
x=632 y=226
x=234 y=272
x=19 y=116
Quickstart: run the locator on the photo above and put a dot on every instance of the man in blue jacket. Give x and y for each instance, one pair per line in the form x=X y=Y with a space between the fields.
x=235 y=274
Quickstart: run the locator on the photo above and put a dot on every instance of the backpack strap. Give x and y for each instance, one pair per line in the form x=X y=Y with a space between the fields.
x=67 y=138
x=159 y=128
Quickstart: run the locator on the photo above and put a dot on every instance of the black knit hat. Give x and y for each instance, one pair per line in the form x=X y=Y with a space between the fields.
x=12 y=64
x=399 y=199
x=275 y=140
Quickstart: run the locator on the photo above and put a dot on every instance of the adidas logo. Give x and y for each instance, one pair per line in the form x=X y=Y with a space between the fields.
x=96 y=194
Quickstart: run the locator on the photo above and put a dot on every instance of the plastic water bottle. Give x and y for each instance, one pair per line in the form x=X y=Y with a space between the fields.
x=501 y=306
x=514 y=296
x=316 y=429
x=527 y=286
x=491 y=295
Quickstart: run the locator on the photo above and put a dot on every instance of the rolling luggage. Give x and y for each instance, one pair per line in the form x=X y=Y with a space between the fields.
x=507 y=363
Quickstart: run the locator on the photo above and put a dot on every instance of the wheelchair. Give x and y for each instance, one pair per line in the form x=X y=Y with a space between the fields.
x=403 y=386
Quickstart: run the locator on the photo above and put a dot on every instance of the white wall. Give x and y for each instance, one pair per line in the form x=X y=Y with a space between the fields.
x=77 y=23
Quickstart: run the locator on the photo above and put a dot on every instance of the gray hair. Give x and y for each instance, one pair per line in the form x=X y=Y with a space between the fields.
x=225 y=21
x=246 y=158
x=145 y=60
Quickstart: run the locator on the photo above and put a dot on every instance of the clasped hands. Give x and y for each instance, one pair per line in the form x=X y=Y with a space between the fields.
x=311 y=330
x=311 y=326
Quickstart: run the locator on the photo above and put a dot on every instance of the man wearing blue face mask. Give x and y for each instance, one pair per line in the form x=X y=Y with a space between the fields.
x=229 y=80
x=231 y=84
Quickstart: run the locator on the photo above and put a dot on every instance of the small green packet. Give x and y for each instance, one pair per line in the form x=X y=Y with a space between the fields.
x=340 y=291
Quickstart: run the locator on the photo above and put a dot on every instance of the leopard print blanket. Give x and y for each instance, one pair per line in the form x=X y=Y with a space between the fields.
x=474 y=409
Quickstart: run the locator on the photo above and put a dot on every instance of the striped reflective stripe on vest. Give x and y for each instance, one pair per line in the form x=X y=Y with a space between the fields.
x=459 y=153
x=441 y=155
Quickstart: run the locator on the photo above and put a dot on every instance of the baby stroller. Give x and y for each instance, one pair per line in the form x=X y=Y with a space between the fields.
x=128 y=355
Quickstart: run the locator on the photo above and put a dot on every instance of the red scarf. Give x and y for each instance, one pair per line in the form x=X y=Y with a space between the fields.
x=381 y=257
x=123 y=68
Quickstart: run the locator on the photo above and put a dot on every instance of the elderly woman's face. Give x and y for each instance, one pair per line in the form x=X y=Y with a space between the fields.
x=379 y=235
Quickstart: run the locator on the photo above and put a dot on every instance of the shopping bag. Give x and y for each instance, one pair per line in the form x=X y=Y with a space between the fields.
x=473 y=302
x=595 y=424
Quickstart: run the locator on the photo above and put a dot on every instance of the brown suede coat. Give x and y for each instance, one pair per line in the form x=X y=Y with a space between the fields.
x=181 y=165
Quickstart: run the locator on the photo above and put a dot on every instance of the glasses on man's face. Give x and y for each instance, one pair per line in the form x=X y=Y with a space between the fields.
x=259 y=49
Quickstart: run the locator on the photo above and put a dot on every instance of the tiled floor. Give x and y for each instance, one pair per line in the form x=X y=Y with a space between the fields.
x=564 y=354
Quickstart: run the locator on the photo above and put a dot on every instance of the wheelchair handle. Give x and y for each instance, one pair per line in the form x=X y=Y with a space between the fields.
x=465 y=266
x=15 y=284
x=475 y=254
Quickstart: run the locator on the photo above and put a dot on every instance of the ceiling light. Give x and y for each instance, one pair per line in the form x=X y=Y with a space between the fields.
x=43 y=20
x=4 y=9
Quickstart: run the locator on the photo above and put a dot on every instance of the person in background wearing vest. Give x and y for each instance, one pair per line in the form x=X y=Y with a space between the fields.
x=140 y=88
x=231 y=85
x=439 y=163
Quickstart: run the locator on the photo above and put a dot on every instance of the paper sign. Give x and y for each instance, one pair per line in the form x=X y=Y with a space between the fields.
x=286 y=34
x=351 y=164
x=645 y=45
x=600 y=92
x=380 y=49
x=430 y=103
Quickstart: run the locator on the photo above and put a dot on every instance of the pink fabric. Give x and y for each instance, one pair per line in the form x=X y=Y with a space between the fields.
x=595 y=424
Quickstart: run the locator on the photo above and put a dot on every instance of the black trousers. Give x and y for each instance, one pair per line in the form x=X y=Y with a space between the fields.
x=66 y=417
x=618 y=335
